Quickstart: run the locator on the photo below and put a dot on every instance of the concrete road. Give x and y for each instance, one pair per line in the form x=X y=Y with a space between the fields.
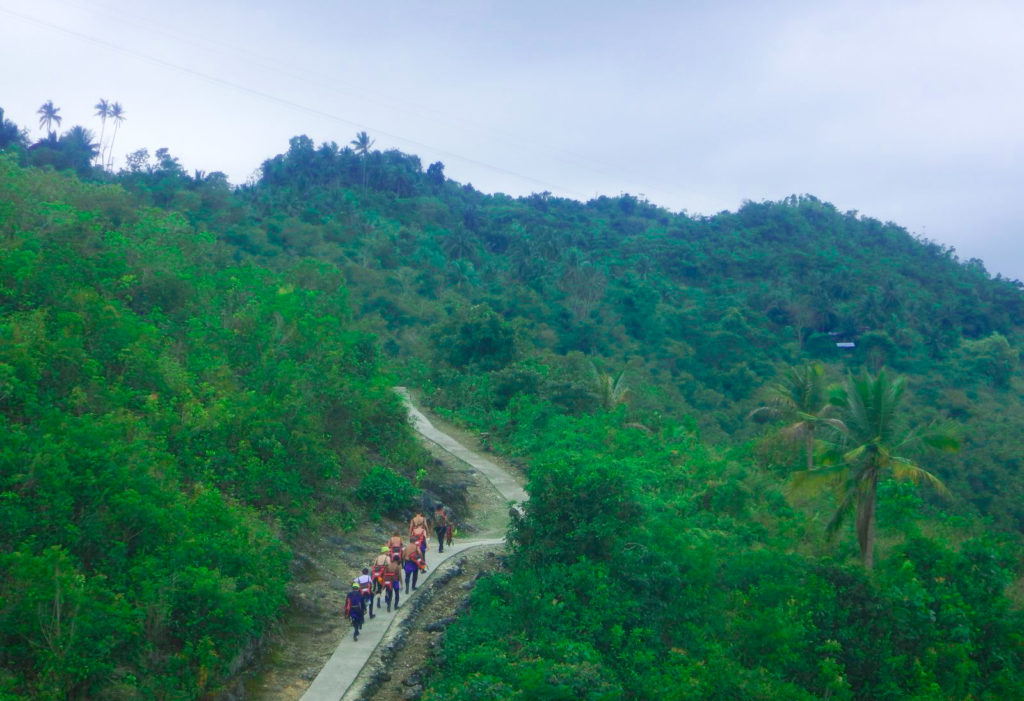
x=500 y=478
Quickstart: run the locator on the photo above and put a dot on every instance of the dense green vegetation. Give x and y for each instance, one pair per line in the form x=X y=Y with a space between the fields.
x=648 y=566
x=186 y=368
x=170 y=419
x=494 y=296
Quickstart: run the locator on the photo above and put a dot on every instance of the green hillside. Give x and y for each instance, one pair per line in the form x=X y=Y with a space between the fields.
x=193 y=377
x=171 y=418
x=700 y=312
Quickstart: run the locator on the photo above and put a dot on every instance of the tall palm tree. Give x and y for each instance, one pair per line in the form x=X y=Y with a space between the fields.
x=800 y=398
x=116 y=114
x=102 y=111
x=362 y=144
x=48 y=116
x=871 y=437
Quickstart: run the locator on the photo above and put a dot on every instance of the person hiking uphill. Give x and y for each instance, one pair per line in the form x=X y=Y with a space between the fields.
x=414 y=562
x=419 y=538
x=417 y=521
x=354 y=609
x=391 y=580
x=377 y=571
x=365 y=584
x=395 y=545
x=418 y=531
x=441 y=526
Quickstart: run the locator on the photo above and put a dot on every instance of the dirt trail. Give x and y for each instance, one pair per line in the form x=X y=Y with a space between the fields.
x=315 y=658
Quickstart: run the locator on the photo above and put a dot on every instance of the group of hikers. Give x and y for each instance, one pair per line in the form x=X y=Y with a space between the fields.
x=384 y=576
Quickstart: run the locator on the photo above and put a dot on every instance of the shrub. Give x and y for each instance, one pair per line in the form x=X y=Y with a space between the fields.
x=386 y=492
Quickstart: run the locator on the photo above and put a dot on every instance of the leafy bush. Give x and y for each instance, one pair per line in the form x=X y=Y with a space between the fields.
x=386 y=492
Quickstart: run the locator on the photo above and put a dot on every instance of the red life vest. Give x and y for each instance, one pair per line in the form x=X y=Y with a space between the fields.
x=365 y=587
x=418 y=559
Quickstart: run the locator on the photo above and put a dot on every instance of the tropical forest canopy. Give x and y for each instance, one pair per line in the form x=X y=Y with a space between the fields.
x=771 y=452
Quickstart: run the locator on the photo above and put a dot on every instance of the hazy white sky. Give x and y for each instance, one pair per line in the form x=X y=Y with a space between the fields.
x=905 y=111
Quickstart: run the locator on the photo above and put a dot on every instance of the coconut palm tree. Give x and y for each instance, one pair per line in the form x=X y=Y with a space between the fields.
x=116 y=114
x=48 y=116
x=459 y=243
x=871 y=438
x=362 y=145
x=102 y=111
x=800 y=398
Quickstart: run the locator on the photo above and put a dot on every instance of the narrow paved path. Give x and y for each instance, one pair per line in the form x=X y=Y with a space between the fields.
x=497 y=476
x=350 y=656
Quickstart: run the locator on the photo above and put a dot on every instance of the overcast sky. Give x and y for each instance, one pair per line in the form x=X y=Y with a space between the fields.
x=911 y=112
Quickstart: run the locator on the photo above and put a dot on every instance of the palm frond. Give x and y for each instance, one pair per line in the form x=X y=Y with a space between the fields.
x=836 y=424
x=621 y=392
x=765 y=413
x=891 y=394
x=941 y=438
x=947 y=444
x=855 y=455
x=797 y=431
x=904 y=470
x=937 y=436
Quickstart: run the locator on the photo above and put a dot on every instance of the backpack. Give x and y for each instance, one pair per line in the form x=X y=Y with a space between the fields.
x=354 y=603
